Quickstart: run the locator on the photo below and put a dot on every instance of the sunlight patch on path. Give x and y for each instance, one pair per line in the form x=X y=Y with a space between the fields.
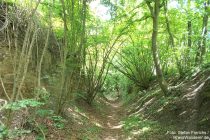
x=112 y=121
x=115 y=126
x=110 y=138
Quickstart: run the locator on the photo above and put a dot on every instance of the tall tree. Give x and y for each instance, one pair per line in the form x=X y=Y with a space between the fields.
x=155 y=10
x=189 y=26
x=73 y=50
x=202 y=42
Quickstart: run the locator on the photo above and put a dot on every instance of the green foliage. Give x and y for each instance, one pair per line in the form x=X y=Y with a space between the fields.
x=58 y=121
x=87 y=47
x=130 y=97
x=17 y=133
x=130 y=122
x=3 y=131
x=79 y=95
x=91 y=132
x=136 y=63
x=40 y=137
x=12 y=133
x=136 y=122
x=44 y=112
x=145 y=128
x=42 y=94
x=23 y=104
x=115 y=79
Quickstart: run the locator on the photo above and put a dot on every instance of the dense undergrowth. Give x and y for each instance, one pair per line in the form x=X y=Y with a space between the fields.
x=152 y=116
x=65 y=73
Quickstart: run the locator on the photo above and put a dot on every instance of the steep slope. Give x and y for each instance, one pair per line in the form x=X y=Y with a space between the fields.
x=186 y=109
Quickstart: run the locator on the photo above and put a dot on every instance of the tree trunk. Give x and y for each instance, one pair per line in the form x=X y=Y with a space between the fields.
x=189 y=29
x=171 y=39
x=189 y=26
x=202 y=42
x=155 y=16
x=83 y=36
x=63 y=53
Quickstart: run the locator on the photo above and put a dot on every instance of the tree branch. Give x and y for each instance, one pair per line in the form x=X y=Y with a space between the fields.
x=150 y=8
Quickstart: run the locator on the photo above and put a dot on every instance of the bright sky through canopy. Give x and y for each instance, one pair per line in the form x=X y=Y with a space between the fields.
x=100 y=10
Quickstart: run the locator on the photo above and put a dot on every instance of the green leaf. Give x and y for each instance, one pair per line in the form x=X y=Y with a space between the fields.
x=23 y=104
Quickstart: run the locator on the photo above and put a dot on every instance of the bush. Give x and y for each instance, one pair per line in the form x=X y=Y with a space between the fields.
x=135 y=62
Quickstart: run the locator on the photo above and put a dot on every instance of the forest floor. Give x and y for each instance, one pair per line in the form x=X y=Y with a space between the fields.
x=112 y=121
x=146 y=115
x=103 y=123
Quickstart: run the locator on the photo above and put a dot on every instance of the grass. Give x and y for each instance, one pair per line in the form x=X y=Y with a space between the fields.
x=137 y=122
x=90 y=133
x=140 y=126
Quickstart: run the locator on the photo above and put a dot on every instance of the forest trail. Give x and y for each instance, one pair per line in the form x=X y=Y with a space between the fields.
x=112 y=121
x=101 y=121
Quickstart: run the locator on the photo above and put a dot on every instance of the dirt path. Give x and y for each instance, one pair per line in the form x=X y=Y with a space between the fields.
x=106 y=116
x=112 y=128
